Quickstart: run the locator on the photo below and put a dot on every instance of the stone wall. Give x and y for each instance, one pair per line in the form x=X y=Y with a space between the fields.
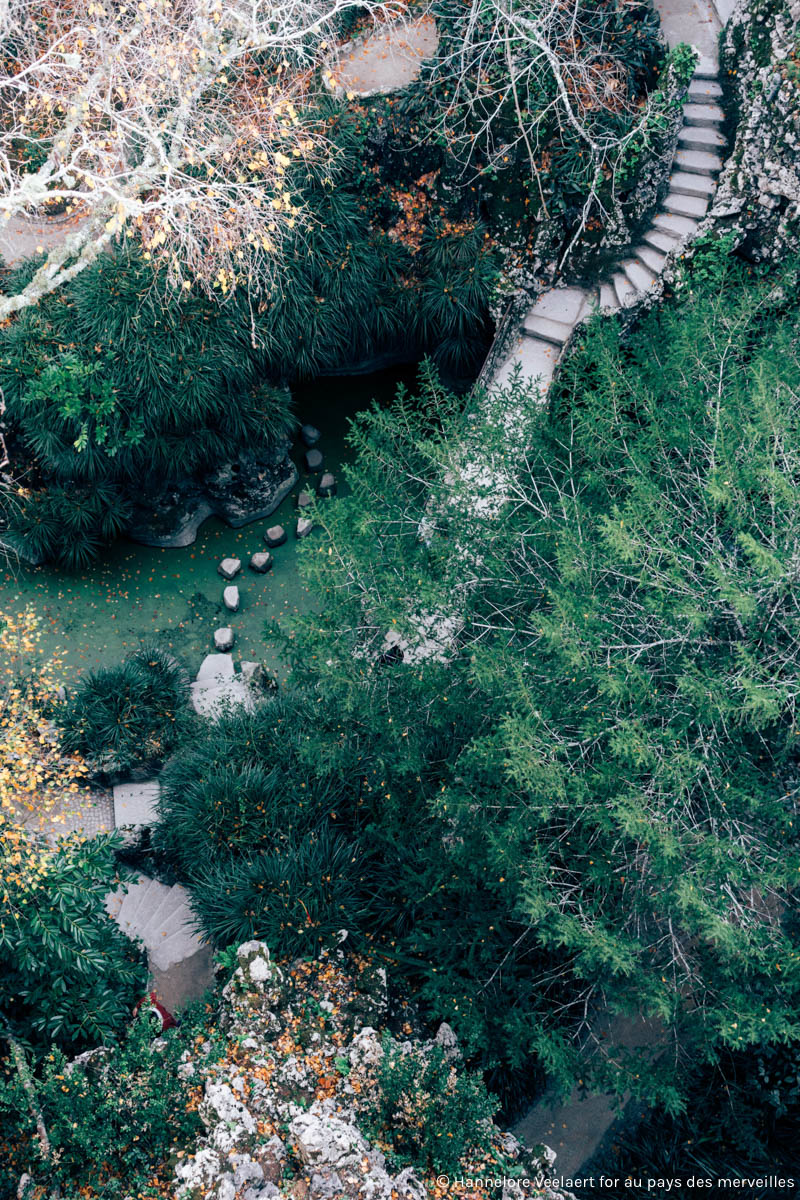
x=758 y=198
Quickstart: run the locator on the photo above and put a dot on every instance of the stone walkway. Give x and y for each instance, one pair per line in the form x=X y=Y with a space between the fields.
x=551 y=320
x=386 y=60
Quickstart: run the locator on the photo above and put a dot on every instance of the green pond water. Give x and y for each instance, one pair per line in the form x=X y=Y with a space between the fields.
x=174 y=597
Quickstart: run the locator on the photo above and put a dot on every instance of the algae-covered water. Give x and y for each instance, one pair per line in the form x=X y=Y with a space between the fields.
x=136 y=593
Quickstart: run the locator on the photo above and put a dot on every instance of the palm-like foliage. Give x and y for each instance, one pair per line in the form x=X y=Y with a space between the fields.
x=129 y=715
x=244 y=786
x=295 y=897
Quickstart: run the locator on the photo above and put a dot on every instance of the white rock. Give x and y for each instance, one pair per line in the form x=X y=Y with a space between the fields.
x=230 y=598
x=198 y=1172
x=223 y=638
x=321 y=1138
x=220 y=1104
x=365 y=1048
x=229 y=567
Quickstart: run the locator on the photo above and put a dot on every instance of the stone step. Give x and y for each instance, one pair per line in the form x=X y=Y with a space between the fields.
x=536 y=360
x=653 y=259
x=608 y=297
x=686 y=206
x=707 y=67
x=214 y=668
x=210 y=700
x=135 y=803
x=160 y=910
x=182 y=944
x=685 y=184
x=640 y=276
x=549 y=331
x=565 y=305
x=661 y=240
x=626 y=292
x=113 y=902
x=177 y=915
x=679 y=227
x=697 y=162
x=708 y=115
x=703 y=90
x=140 y=898
x=697 y=137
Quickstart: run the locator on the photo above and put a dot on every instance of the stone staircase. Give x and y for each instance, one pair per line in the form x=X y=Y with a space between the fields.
x=536 y=348
x=160 y=917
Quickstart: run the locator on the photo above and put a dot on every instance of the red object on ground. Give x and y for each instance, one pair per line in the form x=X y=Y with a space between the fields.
x=152 y=1003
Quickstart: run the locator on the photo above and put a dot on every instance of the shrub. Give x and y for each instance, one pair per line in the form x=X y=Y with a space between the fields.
x=432 y=1115
x=295 y=897
x=129 y=715
x=245 y=785
x=560 y=805
x=67 y=972
x=114 y=1121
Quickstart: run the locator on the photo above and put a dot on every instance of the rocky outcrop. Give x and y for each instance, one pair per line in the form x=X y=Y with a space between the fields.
x=286 y=1108
x=758 y=199
x=247 y=489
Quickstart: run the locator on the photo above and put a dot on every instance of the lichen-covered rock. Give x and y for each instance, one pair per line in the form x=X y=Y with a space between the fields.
x=758 y=197
x=290 y=1108
x=321 y=1138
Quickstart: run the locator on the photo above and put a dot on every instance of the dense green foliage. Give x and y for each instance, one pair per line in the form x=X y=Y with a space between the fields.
x=113 y=1121
x=258 y=865
x=740 y=1122
x=590 y=805
x=110 y=392
x=68 y=973
x=431 y=1115
x=128 y=716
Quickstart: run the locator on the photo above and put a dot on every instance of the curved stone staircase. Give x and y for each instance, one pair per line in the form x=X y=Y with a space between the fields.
x=546 y=329
x=159 y=916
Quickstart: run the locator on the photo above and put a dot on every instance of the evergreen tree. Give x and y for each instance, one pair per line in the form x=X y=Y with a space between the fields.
x=591 y=806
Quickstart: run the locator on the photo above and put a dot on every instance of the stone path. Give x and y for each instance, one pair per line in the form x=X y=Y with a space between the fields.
x=161 y=918
x=218 y=687
x=388 y=59
x=550 y=322
x=575 y=1128
x=94 y=817
x=22 y=237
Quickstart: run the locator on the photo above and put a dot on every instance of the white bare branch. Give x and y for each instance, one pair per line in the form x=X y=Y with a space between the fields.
x=178 y=122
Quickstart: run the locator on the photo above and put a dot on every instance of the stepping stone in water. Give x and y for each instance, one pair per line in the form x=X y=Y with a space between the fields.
x=304 y=527
x=214 y=669
x=230 y=567
x=314 y=460
x=223 y=638
x=310 y=435
x=230 y=598
x=305 y=500
x=327 y=485
x=261 y=561
x=275 y=536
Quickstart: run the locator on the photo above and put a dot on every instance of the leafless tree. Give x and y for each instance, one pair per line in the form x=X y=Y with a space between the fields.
x=519 y=69
x=177 y=122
